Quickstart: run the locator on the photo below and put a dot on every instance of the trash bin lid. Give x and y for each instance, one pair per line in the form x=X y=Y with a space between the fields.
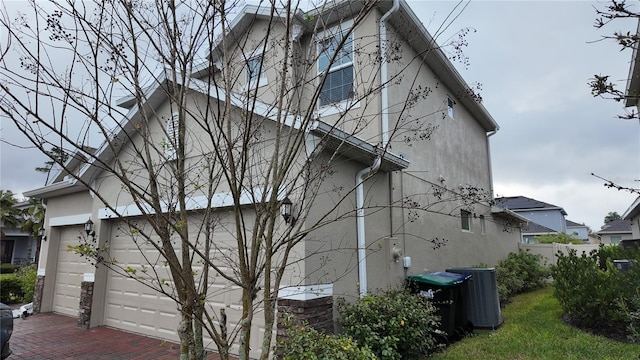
x=441 y=278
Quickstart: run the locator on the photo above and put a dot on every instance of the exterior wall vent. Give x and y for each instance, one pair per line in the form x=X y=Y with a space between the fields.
x=483 y=302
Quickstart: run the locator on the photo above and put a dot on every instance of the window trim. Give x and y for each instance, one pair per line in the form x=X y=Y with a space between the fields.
x=349 y=101
x=450 y=108
x=464 y=214
x=262 y=79
x=171 y=128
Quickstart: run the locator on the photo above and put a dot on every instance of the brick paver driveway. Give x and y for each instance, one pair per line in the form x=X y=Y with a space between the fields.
x=51 y=336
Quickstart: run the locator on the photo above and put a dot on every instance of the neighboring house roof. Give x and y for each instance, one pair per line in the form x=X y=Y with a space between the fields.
x=535 y=228
x=633 y=210
x=574 y=224
x=616 y=227
x=522 y=203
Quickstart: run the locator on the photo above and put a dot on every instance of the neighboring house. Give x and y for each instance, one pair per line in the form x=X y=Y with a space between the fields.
x=458 y=154
x=580 y=231
x=543 y=218
x=16 y=246
x=615 y=231
x=539 y=212
x=531 y=230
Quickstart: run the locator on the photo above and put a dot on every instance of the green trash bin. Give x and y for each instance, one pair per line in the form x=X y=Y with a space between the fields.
x=446 y=291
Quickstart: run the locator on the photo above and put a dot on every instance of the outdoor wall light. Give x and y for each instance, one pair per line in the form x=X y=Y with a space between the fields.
x=41 y=234
x=88 y=228
x=287 y=211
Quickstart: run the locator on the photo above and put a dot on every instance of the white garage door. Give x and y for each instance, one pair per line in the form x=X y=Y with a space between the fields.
x=137 y=308
x=69 y=274
x=132 y=306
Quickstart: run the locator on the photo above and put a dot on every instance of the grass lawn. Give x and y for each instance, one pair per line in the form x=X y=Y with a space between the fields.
x=533 y=329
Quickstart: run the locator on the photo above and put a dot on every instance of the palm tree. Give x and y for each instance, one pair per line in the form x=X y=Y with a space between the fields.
x=10 y=216
x=34 y=222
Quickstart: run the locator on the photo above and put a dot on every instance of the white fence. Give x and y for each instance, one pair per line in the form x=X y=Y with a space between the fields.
x=549 y=251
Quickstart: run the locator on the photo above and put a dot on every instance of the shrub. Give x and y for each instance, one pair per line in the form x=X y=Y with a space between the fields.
x=8 y=268
x=10 y=288
x=518 y=273
x=27 y=276
x=307 y=343
x=395 y=324
x=631 y=312
x=591 y=290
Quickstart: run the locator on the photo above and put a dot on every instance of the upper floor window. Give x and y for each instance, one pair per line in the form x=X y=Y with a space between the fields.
x=172 y=137
x=338 y=85
x=465 y=219
x=254 y=72
x=450 y=104
x=483 y=225
x=616 y=239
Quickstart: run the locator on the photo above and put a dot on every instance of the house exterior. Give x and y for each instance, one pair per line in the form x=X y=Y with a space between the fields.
x=17 y=247
x=531 y=230
x=544 y=218
x=632 y=93
x=633 y=216
x=615 y=231
x=580 y=231
x=375 y=249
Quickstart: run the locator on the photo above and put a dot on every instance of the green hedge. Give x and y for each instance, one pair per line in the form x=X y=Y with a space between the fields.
x=6 y=268
x=519 y=273
x=10 y=289
x=307 y=343
x=395 y=324
x=592 y=291
x=18 y=286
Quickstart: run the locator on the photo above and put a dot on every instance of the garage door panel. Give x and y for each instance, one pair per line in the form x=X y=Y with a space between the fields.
x=134 y=307
x=69 y=274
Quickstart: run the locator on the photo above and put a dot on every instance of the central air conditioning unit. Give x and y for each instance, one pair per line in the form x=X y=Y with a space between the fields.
x=483 y=302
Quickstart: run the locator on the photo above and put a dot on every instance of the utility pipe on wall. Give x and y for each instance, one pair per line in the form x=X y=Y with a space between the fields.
x=360 y=176
x=360 y=227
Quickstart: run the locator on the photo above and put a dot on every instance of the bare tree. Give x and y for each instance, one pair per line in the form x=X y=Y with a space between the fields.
x=601 y=85
x=192 y=142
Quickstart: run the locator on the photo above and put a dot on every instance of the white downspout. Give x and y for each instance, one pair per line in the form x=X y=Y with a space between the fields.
x=362 y=240
x=384 y=119
x=384 y=114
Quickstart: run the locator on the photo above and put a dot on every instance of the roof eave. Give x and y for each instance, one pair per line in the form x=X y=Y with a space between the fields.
x=509 y=213
x=441 y=65
x=633 y=210
x=355 y=148
x=56 y=189
x=632 y=93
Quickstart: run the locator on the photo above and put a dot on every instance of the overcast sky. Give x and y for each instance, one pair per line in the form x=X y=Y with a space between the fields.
x=534 y=60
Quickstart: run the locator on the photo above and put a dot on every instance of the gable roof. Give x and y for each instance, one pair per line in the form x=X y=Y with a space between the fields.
x=633 y=210
x=574 y=224
x=522 y=203
x=335 y=139
x=616 y=226
x=405 y=23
